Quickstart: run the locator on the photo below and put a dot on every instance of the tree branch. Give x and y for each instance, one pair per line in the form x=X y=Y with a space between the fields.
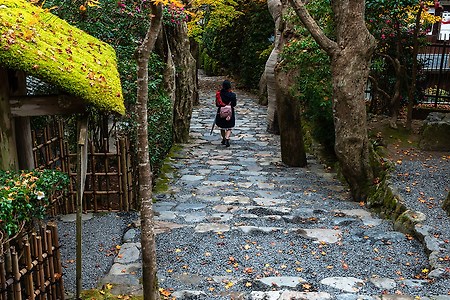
x=317 y=33
x=149 y=41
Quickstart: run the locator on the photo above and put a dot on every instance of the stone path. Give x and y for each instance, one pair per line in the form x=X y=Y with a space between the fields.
x=236 y=223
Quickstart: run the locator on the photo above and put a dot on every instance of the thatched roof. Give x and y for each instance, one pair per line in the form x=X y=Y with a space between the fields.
x=42 y=45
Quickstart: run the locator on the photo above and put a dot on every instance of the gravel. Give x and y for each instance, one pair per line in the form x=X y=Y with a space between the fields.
x=100 y=236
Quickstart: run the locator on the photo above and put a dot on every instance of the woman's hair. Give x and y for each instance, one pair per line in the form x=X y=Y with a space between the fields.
x=226 y=85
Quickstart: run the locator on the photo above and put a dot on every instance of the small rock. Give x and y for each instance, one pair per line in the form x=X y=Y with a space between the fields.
x=346 y=284
x=189 y=295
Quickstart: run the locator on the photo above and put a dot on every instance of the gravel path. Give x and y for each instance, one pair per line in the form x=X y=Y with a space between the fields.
x=236 y=223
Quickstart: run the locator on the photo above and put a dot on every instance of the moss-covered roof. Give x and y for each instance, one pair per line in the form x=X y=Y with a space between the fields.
x=41 y=44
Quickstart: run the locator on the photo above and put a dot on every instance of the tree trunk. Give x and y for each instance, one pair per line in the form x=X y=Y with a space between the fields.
x=412 y=86
x=185 y=68
x=275 y=8
x=8 y=153
x=350 y=60
x=149 y=282
x=272 y=109
x=350 y=64
x=291 y=135
x=352 y=143
x=195 y=51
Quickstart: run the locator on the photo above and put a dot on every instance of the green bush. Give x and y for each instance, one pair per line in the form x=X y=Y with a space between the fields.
x=122 y=30
x=25 y=196
x=314 y=86
x=241 y=48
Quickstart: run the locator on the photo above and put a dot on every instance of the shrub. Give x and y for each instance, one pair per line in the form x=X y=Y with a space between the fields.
x=25 y=196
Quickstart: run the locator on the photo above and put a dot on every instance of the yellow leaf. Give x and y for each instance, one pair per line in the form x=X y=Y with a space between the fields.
x=228 y=285
x=109 y=286
x=164 y=292
x=248 y=284
x=228 y=270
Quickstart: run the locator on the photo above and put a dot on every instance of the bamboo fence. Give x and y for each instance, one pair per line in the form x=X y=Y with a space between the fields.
x=109 y=178
x=31 y=268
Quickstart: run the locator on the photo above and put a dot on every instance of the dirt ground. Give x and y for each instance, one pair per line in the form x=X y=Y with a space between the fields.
x=400 y=143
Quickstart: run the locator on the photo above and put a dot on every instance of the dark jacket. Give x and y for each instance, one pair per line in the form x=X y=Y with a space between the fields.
x=228 y=97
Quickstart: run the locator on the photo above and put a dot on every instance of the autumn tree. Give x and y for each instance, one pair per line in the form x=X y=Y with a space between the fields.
x=350 y=53
x=148 y=242
x=400 y=28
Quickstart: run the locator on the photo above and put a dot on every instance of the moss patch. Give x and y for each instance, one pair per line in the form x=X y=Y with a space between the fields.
x=106 y=295
x=400 y=136
x=167 y=172
x=41 y=44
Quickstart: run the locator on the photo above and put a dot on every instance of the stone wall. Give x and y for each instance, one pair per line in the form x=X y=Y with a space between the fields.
x=388 y=202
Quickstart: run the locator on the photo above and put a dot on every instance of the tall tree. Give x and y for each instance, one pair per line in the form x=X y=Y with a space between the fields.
x=145 y=172
x=350 y=56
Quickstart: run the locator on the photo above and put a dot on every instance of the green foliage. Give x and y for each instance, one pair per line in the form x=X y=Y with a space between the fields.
x=314 y=88
x=210 y=65
x=24 y=196
x=211 y=15
x=242 y=46
x=39 y=43
x=160 y=115
x=393 y=24
x=124 y=31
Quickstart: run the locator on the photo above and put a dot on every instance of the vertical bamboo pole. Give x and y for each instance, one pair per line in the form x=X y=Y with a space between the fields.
x=15 y=265
x=94 y=177
x=122 y=170
x=130 y=184
x=61 y=146
x=8 y=266
x=70 y=208
x=57 y=261
x=81 y=179
x=2 y=279
x=108 y=186
x=45 y=266
x=40 y=268
x=51 y=264
x=29 y=275
x=46 y=148
x=35 y=149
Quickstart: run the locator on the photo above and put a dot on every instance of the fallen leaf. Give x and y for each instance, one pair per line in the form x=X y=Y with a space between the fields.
x=164 y=292
x=228 y=285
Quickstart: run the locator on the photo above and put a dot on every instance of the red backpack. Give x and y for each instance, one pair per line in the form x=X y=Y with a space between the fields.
x=225 y=111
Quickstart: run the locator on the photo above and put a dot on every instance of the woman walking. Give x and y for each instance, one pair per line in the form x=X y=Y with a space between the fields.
x=225 y=97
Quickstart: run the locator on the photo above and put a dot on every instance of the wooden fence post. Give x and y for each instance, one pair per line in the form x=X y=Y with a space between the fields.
x=29 y=275
x=57 y=260
x=81 y=179
x=124 y=170
x=2 y=279
x=15 y=265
